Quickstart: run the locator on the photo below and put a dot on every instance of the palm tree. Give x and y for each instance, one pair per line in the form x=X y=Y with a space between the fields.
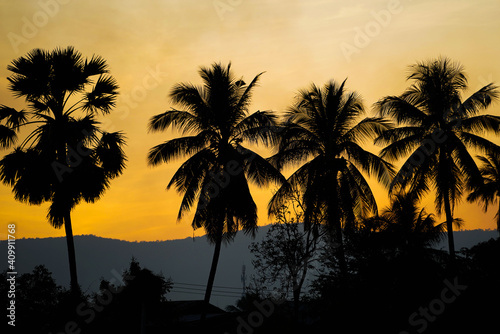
x=438 y=129
x=489 y=192
x=322 y=136
x=214 y=178
x=65 y=158
x=414 y=227
x=402 y=233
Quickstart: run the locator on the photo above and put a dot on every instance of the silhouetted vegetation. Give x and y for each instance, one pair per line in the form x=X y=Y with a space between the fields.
x=67 y=158
x=367 y=270
x=437 y=129
x=214 y=179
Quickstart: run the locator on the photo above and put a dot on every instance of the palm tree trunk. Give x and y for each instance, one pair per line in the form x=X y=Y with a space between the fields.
x=449 y=227
x=336 y=225
x=339 y=244
x=211 y=277
x=75 y=288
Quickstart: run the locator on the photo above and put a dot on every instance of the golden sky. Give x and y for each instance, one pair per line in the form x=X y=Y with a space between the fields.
x=151 y=45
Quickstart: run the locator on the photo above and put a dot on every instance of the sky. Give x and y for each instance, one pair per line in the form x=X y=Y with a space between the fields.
x=152 y=45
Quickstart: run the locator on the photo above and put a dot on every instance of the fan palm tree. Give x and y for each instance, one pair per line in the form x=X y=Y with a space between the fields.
x=65 y=158
x=489 y=192
x=437 y=129
x=322 y=135
x=214 y=178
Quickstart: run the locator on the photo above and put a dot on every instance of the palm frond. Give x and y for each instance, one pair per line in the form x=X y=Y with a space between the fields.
x=8 y=137
x=368 y=128
x=259 y=127
x=245 y=98
x=259 y=170
x=177 y=147
x=478 y=143
x=182 y=120
x=481 y=124
x=401 y=110
x=95 y=66
x=103 y=96
x=370 y=163
x=14 y=118
x=110 y=154
x=479 y=100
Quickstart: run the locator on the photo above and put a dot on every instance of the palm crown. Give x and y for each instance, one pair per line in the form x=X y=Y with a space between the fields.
x=58 y=158
x=437 y=129
x=214 y=177
x=322 y=132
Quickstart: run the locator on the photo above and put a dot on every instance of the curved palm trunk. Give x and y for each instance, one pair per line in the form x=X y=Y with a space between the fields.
x=449 y=227
x=211 y=277
x=75 y=288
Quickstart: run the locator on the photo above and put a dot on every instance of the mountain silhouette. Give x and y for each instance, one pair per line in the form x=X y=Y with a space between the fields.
x=186 y=261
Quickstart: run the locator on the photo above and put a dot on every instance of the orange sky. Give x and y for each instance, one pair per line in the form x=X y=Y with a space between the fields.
x=151 y=45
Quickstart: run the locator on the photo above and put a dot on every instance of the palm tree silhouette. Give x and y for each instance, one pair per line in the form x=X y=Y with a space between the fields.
x=322 y=134
x=414 y=227
x=215 y=176
x=438 y=129
x=489 y=192
x=66 y=158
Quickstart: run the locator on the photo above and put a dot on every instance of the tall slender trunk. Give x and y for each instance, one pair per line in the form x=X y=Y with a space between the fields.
x=449 y=227
x=75 y=288
x=211 y=277
x=336 y=224
x=339 y=244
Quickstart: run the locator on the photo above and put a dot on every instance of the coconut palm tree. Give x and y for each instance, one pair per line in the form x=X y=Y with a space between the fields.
x=402 y=230
x=65 y=158
x=489 y=192
x=214 y=179
x=322 y=135
x=437 y=129
x=414 y=227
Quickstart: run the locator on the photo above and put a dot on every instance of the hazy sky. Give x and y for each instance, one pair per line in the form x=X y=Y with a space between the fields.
x=151 y=45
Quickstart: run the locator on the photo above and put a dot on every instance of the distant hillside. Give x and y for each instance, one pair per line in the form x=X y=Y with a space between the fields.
x=185 y=261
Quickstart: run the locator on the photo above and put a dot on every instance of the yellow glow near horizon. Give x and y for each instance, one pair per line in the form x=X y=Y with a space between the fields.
x=152 y=45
